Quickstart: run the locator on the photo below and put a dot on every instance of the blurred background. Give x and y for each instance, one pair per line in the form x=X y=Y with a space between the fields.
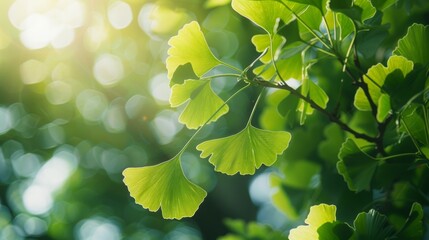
x=84 y=94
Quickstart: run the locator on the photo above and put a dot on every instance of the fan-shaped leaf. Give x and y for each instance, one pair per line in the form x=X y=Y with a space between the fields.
x=414 y=46
x=203 y=102
x=190 y=46
x=356 y=166
x=413 y=227
x=164 y=186
x=373 y=225
x=319 y=215
x=245 y=151
x=266 y=13
x=376 y=77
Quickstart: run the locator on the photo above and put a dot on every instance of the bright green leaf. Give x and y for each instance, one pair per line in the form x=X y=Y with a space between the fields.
x=266 y=13
x=315 y=93
x=164 y=186
x=356 y=166
x=245 y=151
x=384 y=108
x=414 y=46
x=346 y=25
x=263 y=41
x=372 y=225
x=383 y=4
x=376 y=77
x=319 y=4
x=359 y=10
x=203 y=102
x=190 y=46
x=319 y=215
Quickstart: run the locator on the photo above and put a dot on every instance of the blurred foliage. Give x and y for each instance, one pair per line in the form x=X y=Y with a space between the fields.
x=83 y=95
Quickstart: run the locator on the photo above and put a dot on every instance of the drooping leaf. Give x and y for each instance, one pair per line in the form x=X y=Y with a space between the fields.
x=356 y=166
x=376 y=77
x=318 y=215
x=266 y=13
x=164 y=186
x=346 y=25
x=190 y=46
x=414 y=46
x=413 y=227
x=372 y=225
x=315 y=93
x=202 y=104
x=245 y=151
x=359 y=10
x=413 y=122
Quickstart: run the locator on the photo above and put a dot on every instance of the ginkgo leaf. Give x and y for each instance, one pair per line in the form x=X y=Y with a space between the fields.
x=190 y=46
x=315 y=93
x=164 y=186
x=356 y=166
x=203 y=103
x=373 y=225
x=376 y=77
x=266 y=13
x=245 y=151
x=414 y=45
x=318 y=215
x=263 y=41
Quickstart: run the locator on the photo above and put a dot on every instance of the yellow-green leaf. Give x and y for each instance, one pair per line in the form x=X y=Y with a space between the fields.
x=245 y=151
x=319 y=215
x=414 y=46
x=266 y=13
x=190 y=46
x=164 y=186
x=263 y=41
x=375 y=79
x=202 y=104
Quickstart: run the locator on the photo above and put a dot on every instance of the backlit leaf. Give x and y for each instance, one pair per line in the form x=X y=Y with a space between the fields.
x=190 y=46
x=266 y=13
x=376 y=77
x=245 y=151
x=318 y=215
x=263 y=41
x=384 y=108
x=413 y=227
x=414 y=46
x=356 y=166
x=202 y=104
x=164 y=186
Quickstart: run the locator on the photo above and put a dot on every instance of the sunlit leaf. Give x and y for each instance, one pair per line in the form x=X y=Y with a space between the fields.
x=318 y=215
x=245 y=151
x=356 y=166
x=266 y=13
x=414 y=46
x=190 y=46
x=164 y=186
x=383 y=4
x=373 y=225
x=359 y=10
x=319 y=4
x=384 y=108
x=263 y=41
x=202 y=104
x=376 y=77
x=315 y=93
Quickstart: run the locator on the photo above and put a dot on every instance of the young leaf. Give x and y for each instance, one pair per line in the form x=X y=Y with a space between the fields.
x=164 y=186
x=263 y=41
x=190 y=46
x=373 y=225
x=245 y=151
x=318 y=215
x=384 y=108
x=315 y=93
x=266 y=13
x=356 y=166
x=414 y=46
x=376 y=77
x=203 y=102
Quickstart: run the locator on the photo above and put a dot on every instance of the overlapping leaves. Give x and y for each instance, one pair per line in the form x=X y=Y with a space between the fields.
x=202 y=104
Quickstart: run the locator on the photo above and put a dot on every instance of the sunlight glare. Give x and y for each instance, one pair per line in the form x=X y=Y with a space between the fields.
x=120 y=14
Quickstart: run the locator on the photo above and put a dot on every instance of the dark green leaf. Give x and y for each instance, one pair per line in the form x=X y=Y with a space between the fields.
x=372 y=225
